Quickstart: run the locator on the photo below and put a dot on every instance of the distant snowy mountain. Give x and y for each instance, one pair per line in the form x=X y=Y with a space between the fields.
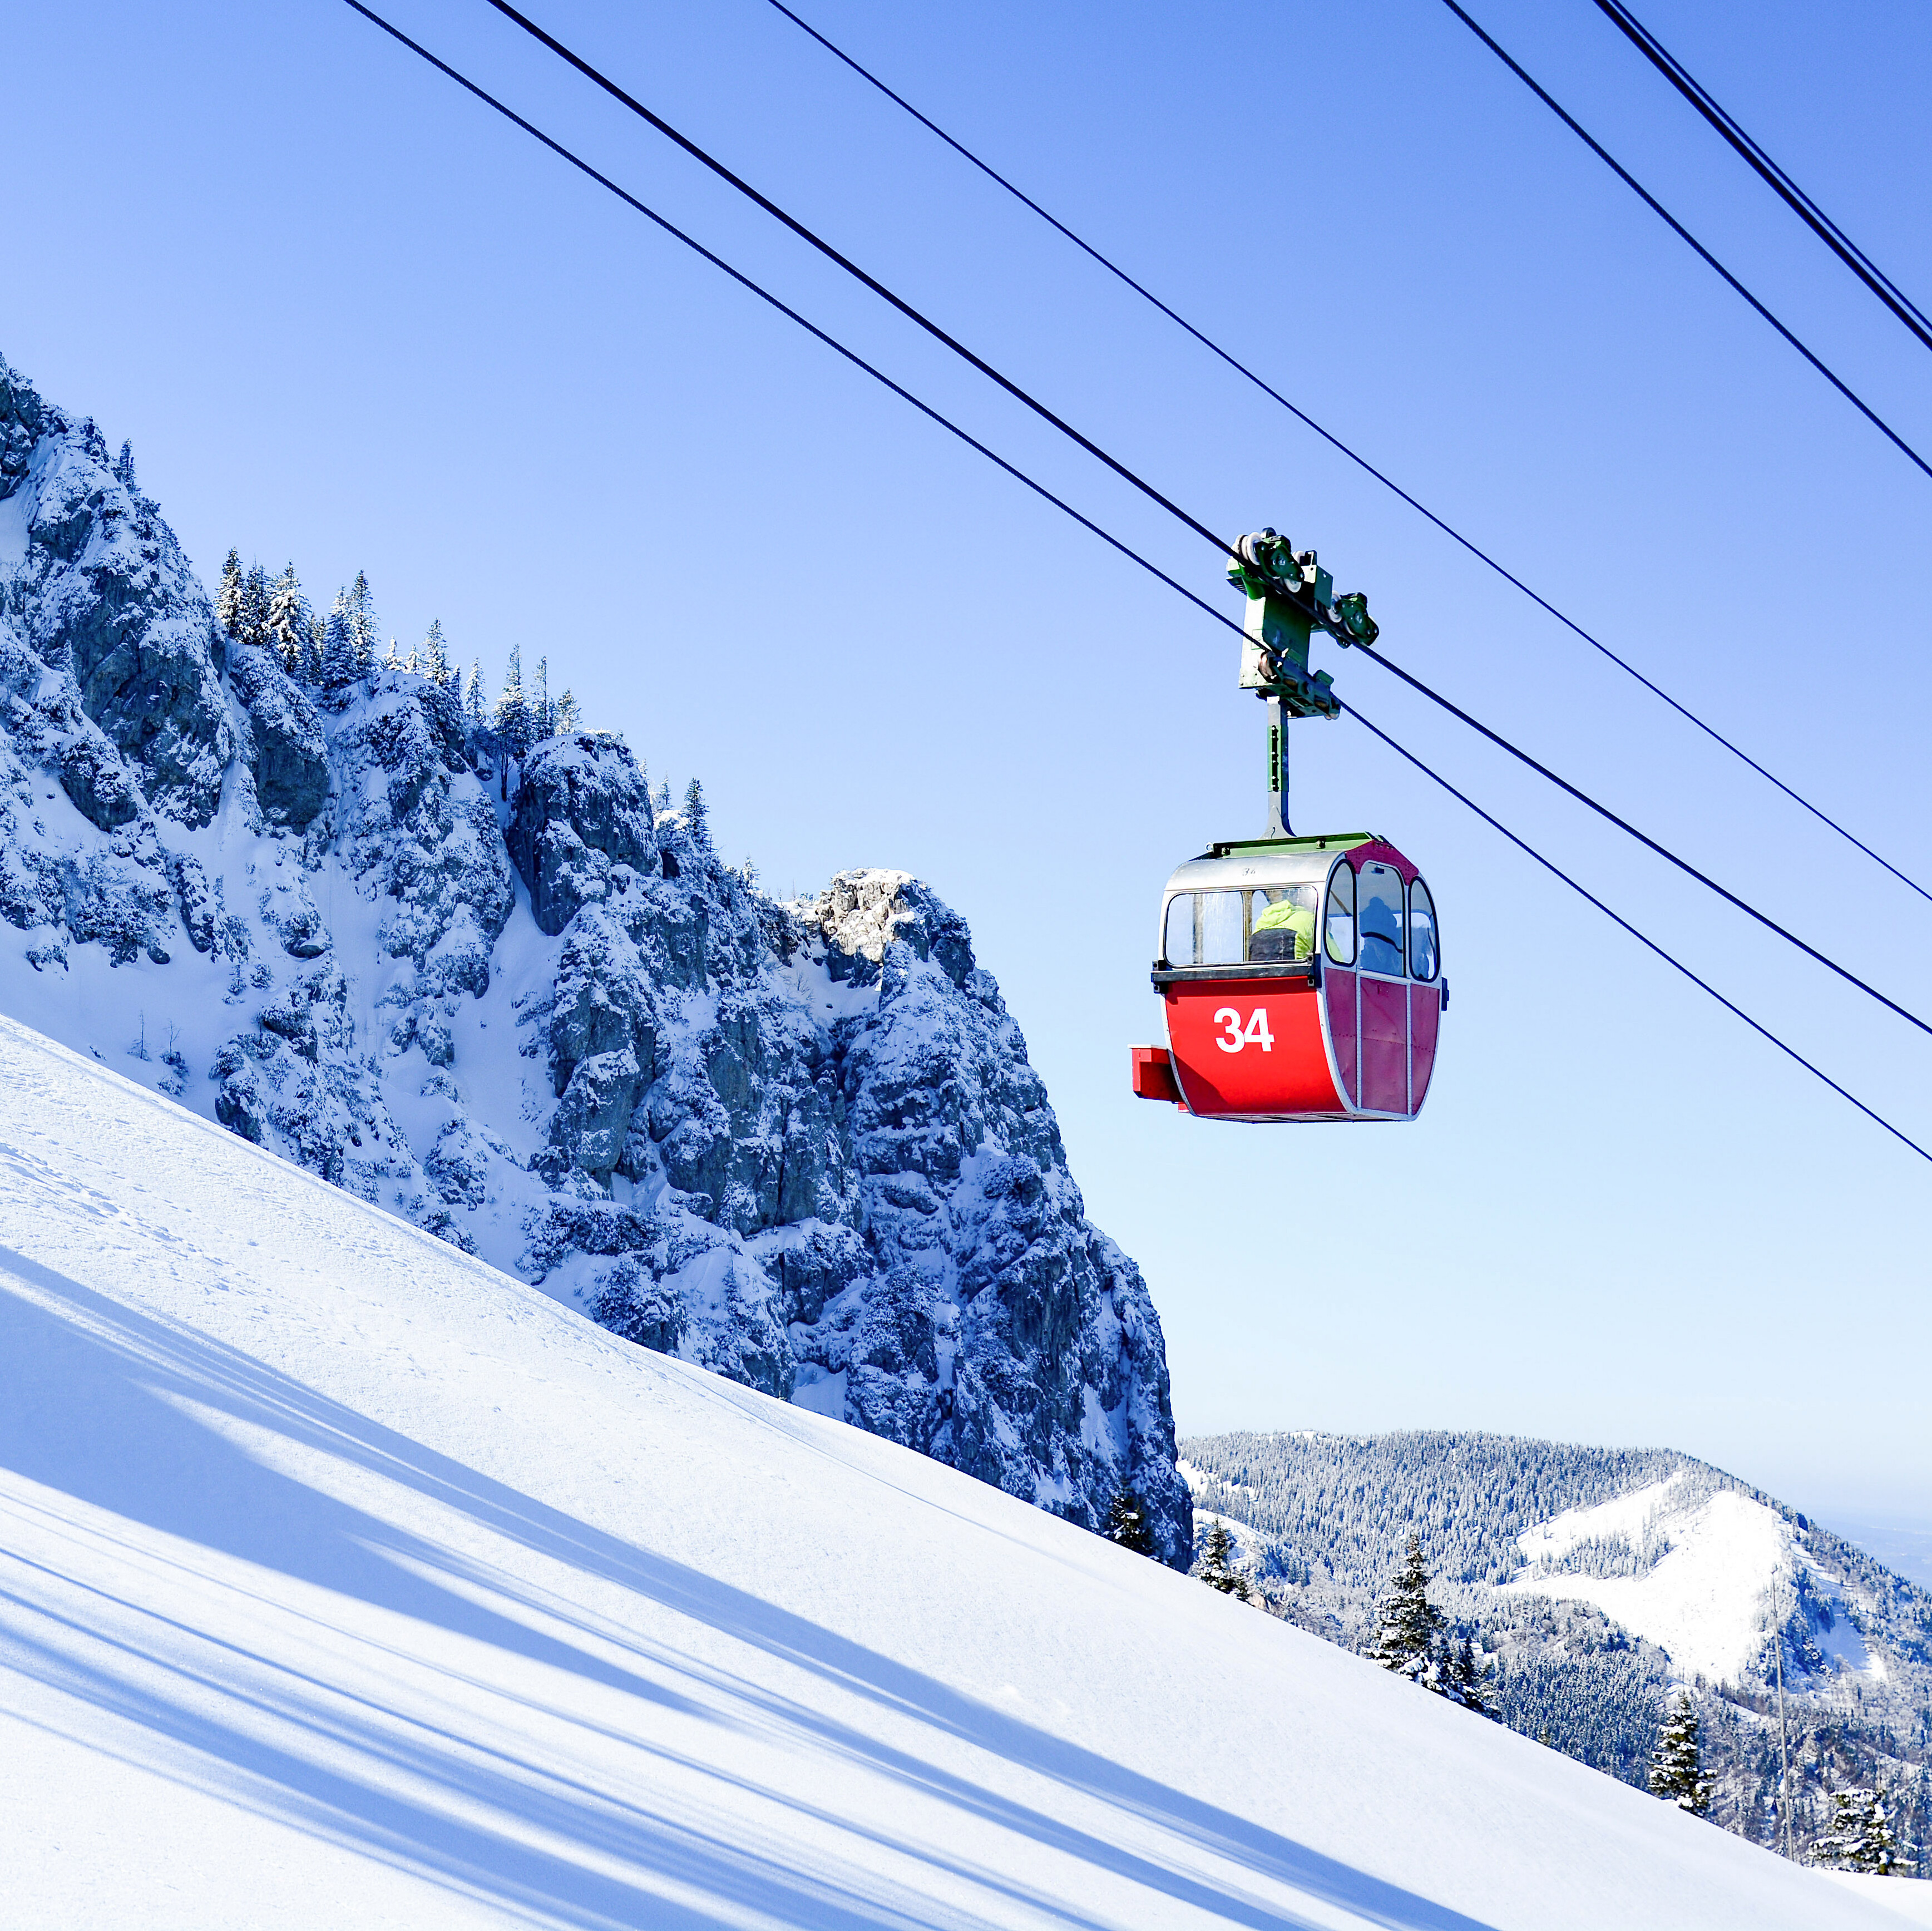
x=345 y=1582
x=499 y=988
x=1598 y=1581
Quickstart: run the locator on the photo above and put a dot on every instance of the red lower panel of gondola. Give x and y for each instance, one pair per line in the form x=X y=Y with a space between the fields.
x=1338 y=991
x=1251 y=1049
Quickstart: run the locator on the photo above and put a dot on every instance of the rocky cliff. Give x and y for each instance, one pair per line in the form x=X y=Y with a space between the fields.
x=799 y=1143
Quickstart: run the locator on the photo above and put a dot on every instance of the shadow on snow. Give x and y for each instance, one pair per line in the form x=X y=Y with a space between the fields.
x=90 y=1409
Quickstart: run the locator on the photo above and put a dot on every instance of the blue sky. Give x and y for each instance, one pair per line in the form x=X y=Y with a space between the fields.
x=348 y=317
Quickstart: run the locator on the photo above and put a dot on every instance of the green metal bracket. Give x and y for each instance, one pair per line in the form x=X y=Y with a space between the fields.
x=1290 y=597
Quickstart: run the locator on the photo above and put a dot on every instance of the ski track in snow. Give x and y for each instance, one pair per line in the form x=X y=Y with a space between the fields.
x=345 y=1581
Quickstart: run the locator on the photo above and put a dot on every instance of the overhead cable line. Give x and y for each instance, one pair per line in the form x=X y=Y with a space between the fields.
x=1683 y=234
x=1642 y=938
x=765 y=296
x=1124 y=549
x=1787 y=190
x=1335 y=443
x=852 y=268
x=1643 y=838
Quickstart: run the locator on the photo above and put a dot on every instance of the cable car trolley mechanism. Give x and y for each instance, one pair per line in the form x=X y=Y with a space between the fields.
x=1301 y=977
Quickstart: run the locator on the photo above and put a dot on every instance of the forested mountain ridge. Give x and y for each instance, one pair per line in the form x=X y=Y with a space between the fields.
x=460 y=958
x=1596 y=1581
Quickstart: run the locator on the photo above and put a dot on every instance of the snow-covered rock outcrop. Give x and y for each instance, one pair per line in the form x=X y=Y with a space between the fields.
x=800 y=1144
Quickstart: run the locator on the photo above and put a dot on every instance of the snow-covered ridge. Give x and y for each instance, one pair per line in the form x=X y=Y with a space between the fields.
x=517 y=998
x=346 y=1581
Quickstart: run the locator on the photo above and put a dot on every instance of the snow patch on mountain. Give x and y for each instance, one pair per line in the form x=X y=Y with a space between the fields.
x=1704 y=1600
x=1717 y=1569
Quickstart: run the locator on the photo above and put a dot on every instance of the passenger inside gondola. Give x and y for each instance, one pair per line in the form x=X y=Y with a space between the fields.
x=1262 y=926
x=1284 y=924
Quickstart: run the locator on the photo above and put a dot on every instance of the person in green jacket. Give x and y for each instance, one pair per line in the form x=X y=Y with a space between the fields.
x=1294 y=913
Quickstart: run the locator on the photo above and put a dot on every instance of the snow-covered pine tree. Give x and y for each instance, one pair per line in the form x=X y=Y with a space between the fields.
x=568 y=719
x=1127 y=1523
x=228 y=598
x=432 y=659
x=392 y=661
x=1861 y=1837
x=338 y=649
x=1407 y=1629
x=314 y=649
x=255 y=600
x=1676 y=1765
x=697 y=818
x=288 y=621
x=1215 y=1562
x=543 y=717
x=472 y=697
x=1463 y=1682
x=124 y=469
x=512 y=718
x=359 y=610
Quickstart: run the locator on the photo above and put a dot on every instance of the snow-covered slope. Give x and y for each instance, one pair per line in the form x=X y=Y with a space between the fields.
x=348 y=1582
x=1905 y=1898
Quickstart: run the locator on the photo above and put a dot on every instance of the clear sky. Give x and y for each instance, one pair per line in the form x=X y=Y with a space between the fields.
x=348 y=317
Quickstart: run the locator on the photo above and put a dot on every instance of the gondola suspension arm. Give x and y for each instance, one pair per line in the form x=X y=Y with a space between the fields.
x=1290 y=597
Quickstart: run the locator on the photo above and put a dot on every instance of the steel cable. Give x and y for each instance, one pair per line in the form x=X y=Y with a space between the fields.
x=1781 y=184
x=1677 y=228
x=852 y=268
x=1642 y=938
x=1643 y=838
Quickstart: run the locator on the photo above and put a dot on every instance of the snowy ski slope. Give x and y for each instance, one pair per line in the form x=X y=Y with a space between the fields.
x=344 y=1581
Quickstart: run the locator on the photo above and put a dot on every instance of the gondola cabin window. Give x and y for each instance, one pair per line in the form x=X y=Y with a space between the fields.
x=1267 y=924
x=1282 y=924
x=1341 y=920
x=1425 y=946
x=1380 y=919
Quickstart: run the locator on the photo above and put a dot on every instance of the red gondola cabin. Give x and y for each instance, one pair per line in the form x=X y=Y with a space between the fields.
x=1302 y=980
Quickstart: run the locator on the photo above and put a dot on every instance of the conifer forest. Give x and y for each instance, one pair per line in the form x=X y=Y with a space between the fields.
x=1404 y=1547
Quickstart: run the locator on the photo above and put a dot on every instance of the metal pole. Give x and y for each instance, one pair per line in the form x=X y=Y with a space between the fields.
x=1784 y=1745
x=1278 y=826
